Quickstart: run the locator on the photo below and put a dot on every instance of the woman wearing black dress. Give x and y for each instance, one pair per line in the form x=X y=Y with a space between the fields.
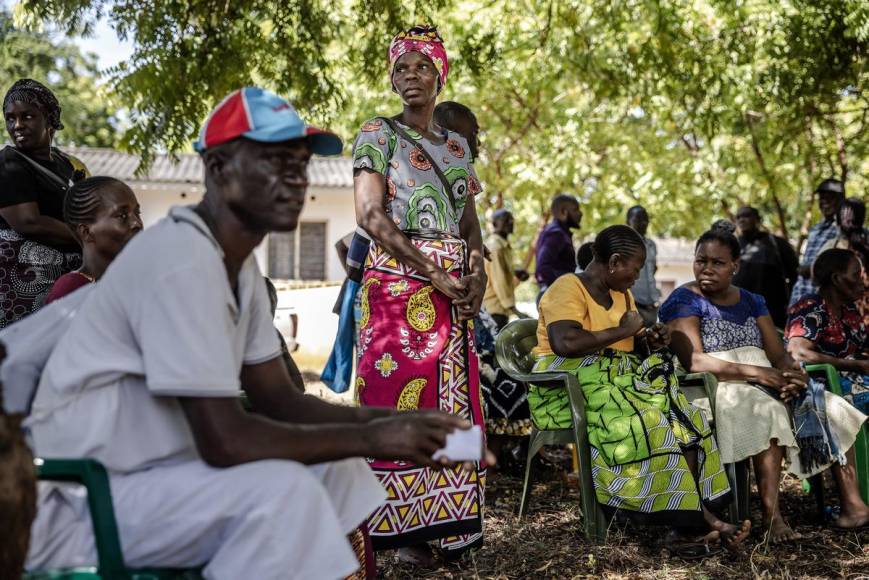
x=36 y=246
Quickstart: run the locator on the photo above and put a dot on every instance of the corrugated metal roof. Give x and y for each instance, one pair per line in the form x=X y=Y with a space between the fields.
x=187 y=167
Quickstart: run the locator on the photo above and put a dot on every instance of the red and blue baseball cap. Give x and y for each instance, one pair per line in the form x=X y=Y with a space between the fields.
x=263 y=116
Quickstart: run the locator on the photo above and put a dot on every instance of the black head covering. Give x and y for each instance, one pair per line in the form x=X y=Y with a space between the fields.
x=831 y=185
x=34 y=92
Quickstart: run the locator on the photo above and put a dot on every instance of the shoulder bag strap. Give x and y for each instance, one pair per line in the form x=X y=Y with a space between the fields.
x=449 y=190
x=78 y=165
x=58 y=180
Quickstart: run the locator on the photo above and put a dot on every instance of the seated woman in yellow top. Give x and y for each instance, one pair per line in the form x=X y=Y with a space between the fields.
x=653 y=453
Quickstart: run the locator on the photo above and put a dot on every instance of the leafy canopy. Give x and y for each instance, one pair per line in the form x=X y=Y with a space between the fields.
x=690 y=107
x=87 y=111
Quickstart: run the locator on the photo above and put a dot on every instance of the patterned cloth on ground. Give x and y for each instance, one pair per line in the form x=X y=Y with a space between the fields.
x=639 y=426
x=505 y=400
x=415 y=354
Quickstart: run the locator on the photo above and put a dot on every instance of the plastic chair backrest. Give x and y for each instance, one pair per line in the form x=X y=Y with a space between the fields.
x=830 y=375
x=513 y=346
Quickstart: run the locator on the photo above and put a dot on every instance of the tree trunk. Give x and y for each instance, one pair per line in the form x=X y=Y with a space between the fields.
x=812 y=177
x=770 y=178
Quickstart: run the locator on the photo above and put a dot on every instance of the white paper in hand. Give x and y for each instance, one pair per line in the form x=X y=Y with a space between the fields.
x=462 y=445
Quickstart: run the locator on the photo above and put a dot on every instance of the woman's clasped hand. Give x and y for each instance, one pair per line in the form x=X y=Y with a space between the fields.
x=465 y=292
x=788 y=382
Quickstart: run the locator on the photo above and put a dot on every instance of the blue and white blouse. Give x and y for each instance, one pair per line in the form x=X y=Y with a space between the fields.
x=721 y=327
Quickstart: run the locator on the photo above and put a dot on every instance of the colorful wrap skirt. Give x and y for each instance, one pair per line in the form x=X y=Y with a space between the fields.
x=414 y=353
x=28 y=270
x=639 y=426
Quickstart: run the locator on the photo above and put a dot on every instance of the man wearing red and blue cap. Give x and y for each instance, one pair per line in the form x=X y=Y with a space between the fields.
x=148 y=376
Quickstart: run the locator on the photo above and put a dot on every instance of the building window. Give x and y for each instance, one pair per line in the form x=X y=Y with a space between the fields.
x=312 y=251
x=282 y=255
x=298 y=255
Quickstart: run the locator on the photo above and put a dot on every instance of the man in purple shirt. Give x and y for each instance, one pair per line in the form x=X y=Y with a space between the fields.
x=554 y=254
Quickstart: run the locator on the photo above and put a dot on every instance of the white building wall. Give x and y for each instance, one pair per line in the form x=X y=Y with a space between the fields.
x=672 y=275
x=331 y=205
x=335 y=207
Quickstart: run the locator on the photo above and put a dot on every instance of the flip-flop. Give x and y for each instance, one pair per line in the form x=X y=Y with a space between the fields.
x=693 y=550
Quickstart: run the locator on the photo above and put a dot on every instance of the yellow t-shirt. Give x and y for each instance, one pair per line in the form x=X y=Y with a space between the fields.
x=568 y=299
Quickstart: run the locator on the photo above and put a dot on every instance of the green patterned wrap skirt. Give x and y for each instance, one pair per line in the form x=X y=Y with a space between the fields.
x=639 y=425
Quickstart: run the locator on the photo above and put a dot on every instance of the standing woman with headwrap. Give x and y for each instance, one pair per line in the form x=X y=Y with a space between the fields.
x=36 y=246
x=424 y=281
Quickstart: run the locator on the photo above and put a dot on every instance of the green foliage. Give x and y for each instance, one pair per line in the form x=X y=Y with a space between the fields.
x=188 y=54
x=689 y=107
x=87 y=111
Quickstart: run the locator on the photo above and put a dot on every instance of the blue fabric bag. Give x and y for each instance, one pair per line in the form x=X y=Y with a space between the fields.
x=339 y=367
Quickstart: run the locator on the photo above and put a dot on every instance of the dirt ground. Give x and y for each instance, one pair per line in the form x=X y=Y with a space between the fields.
x=549 y=543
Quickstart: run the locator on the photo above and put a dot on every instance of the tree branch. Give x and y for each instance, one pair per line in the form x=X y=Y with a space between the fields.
x=767 y=174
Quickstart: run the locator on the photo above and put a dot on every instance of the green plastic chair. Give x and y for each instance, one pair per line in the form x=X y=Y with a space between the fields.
x=861 y=445
x=110 y=559
x=513 y=351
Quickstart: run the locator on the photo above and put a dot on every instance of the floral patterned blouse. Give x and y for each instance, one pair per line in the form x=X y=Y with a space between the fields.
x=722 y=328
x=415 y=197
x=844 y=337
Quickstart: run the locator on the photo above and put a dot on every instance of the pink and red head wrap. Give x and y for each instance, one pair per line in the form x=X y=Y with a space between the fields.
x=423 y=39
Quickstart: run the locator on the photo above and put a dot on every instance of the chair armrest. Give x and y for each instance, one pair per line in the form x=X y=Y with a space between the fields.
x=574 y=391
x=556 y=379
x=831 y=376
x=92 y=475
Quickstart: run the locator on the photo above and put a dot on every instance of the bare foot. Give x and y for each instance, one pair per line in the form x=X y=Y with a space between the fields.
x=853 y=518
x=778 y=531
x=731 y=535
x=419 y=555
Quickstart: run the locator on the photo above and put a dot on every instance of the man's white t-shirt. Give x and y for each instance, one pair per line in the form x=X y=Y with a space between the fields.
x=162 y=323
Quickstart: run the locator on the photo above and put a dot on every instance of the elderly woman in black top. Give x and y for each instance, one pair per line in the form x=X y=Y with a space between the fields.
x=36 y=246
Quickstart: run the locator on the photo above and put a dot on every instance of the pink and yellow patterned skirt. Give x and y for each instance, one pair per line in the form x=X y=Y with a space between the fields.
x=414 y=353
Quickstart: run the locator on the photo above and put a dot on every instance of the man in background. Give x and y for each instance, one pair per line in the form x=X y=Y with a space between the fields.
x=499 y=298
x=646 y=293
x=768 y=265
x=555 y=255
x=831 y=194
